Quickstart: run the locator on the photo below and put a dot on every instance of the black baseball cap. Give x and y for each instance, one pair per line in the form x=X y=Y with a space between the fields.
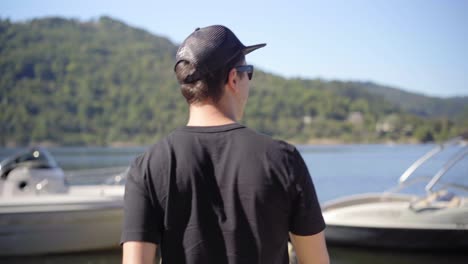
x=209 y=48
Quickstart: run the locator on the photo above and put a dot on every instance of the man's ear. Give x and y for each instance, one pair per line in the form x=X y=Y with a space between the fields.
x=232 y=80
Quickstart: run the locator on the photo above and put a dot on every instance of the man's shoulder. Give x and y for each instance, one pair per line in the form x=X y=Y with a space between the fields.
x=255 y=139
x=156 y=151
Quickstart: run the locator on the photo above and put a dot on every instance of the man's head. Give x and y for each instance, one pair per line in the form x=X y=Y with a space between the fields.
x=205 y=59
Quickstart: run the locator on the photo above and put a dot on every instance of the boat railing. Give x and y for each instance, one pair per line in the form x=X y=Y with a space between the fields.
x=98 y=172
x=447 y=166
x=404 y=177
x=111 y=175
x=404 y=181
x=442 y=197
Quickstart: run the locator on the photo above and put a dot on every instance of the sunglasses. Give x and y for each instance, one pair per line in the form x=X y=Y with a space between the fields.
x=246 y=68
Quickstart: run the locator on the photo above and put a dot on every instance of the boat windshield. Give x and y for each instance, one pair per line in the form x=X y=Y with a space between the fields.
x=33 y=157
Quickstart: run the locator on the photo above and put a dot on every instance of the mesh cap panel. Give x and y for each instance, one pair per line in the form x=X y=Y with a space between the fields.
x=210 y=48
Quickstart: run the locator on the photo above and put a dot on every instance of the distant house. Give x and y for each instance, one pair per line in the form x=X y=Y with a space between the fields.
x=390 y=124
x=355 y=118
x=384 y=127
x=307 y=119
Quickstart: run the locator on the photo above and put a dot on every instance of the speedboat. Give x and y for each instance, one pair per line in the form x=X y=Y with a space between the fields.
x=40 y=213
x=436 y=219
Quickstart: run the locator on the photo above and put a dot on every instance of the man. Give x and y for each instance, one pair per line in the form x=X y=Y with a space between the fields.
x=215 y=191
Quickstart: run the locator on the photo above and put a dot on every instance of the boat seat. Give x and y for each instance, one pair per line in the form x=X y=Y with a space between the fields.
x=438 y=200
x=455 y=202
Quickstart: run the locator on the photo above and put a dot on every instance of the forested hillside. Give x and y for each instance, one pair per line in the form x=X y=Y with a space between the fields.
x=103 y=82
x=425 y=106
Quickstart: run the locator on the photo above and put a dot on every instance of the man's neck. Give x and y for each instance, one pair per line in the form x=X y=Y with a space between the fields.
x=208 y=114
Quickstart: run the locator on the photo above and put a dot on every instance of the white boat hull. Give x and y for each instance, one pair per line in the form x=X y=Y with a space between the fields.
x=373 y=220
x=87 y=218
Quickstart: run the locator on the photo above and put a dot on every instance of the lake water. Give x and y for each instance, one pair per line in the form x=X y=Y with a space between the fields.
x=336 y=171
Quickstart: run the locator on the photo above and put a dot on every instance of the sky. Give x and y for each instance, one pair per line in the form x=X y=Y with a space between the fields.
x=419 y=45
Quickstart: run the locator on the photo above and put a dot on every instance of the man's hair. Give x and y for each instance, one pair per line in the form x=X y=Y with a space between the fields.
x=208 y=86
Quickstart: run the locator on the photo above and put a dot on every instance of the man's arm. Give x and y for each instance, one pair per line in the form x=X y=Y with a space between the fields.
x=310 y=249
x=135 y=252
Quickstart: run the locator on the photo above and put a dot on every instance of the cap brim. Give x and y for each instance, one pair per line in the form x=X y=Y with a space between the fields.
x=249 y=49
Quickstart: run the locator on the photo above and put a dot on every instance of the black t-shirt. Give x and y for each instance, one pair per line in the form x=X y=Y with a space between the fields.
x=221 y=194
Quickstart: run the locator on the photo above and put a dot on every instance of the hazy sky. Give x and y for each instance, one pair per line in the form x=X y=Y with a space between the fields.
x=416 y=45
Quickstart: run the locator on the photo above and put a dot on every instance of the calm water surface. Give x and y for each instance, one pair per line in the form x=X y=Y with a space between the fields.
x=336 y=171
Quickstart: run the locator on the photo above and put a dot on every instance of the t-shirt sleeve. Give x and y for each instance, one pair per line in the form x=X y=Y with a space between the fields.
x=306 y=216
x=142 y=215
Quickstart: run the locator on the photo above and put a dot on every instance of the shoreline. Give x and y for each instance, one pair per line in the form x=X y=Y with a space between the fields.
x=316 y=141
